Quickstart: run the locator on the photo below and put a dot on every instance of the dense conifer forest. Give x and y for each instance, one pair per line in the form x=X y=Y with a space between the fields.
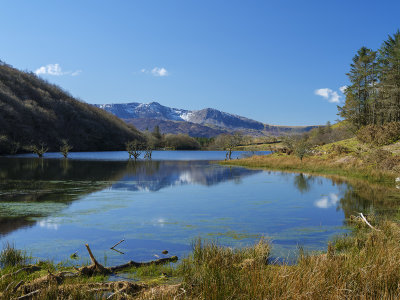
x=373 y=96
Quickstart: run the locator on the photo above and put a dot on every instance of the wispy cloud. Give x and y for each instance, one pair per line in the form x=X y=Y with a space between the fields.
x=76 y=73
x=156 y=71
x=55 y=70
x=328 y=94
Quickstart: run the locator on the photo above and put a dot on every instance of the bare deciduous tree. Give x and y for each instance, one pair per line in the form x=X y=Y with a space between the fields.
x=148 y=149
x=228 y=142
x=134 y=149
x=38 y=150
x=65 y=148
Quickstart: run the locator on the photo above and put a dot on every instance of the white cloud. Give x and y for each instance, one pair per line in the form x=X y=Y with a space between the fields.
x=159 y=72
x=76 y=73
x=51 y=69
x=328 y=94
x=55 y=70
x=156 y=71
x=343 y=88
x=327 y=201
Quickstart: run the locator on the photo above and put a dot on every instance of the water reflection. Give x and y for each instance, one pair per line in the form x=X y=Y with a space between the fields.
x=302 y=182
x=154 y=176
x=53 y=184
x=327 y=201
x=55 y=206
x=353 y=196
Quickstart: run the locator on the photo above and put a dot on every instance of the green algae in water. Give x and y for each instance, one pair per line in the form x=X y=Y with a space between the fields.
x=11 y=209
x=236 y=235
x=166 y=205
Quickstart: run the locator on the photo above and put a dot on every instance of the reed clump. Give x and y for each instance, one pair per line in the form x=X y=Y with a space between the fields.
x=364 y=265
x=11 y=257
x=216 y=272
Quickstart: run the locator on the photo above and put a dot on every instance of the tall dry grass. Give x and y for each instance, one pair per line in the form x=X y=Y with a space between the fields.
x=363 y=266
x=339 y=166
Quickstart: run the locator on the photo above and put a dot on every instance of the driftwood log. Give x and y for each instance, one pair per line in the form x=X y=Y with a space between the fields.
x=97 y=269
x=35 y=287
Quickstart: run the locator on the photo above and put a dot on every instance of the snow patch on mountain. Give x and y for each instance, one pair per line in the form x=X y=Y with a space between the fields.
x=186 y=116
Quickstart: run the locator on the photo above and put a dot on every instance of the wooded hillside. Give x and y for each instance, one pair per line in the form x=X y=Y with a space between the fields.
x=35 y=112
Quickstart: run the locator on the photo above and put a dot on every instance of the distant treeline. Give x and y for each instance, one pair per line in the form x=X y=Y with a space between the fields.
x=34 y=113
x=157 y=140
x=373 y=97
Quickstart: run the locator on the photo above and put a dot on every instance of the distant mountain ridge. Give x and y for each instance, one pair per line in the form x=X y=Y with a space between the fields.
x=206 y=122
x=152 y=110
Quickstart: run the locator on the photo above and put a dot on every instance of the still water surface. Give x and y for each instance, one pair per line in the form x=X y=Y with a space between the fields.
x=52 y=207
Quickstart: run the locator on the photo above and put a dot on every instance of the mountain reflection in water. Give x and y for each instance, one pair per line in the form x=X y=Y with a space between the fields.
x=60 y=182
x=153 y=176
x=53 y=206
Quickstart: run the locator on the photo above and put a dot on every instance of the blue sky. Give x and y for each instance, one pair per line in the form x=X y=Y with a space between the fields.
x=260 y=59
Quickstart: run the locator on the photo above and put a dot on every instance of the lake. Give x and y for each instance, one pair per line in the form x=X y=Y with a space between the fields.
x=52 y=207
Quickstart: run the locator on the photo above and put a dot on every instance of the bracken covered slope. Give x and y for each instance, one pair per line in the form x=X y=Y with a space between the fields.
x=33 y=111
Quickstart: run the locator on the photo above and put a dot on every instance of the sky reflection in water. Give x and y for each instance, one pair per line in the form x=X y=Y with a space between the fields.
x=52 y=207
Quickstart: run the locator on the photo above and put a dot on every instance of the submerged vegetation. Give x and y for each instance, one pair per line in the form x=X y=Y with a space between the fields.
x=363 y=264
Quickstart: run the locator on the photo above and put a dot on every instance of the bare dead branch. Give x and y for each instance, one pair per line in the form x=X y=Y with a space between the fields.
x=117 y=243
x=366 y=222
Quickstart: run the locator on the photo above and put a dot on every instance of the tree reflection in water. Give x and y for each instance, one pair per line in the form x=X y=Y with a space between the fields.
x=358 y=195
x=63 y=181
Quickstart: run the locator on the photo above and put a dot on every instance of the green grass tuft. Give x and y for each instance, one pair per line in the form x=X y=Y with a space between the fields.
x=11 y=257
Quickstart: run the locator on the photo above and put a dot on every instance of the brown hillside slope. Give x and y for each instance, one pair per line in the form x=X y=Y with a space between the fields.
x=33 y=111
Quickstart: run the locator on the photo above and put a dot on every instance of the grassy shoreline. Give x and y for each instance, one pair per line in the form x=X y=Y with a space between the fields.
x=362 y=265
x=350 y=168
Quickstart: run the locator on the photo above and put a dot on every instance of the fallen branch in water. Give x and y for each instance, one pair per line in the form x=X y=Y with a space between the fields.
x=120 y=252
x=96 y=268
x=143 y=264
x=117 y=244
x=35 y=286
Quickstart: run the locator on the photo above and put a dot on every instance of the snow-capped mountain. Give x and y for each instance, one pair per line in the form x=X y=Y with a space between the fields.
x=151 y=110
x=155 y=110
x=205 y=122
